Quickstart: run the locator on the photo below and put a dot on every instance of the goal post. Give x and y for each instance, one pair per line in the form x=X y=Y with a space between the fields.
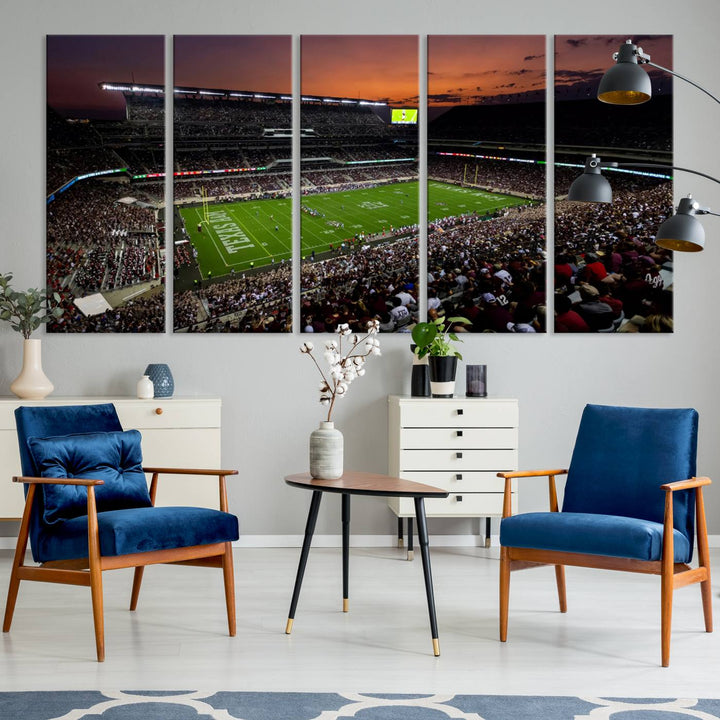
x=205 y=204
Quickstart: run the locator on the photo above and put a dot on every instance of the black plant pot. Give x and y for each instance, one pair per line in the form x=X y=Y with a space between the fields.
x=442 y=375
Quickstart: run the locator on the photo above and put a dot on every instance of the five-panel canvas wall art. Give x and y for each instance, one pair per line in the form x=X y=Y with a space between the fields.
x=359 y=117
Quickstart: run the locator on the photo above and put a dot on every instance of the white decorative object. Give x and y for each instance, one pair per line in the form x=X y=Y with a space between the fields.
x=345 y=365
x=145 y=388
x=326 y=452
x=32 y=383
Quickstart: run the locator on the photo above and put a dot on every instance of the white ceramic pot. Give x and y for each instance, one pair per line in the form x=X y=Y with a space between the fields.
x=326 y=452
x=145 y=388
x=32 y=383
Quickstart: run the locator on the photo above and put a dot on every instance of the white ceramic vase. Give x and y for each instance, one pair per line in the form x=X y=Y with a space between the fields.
x=32 y=383
x=326 y=452
x=145 y=388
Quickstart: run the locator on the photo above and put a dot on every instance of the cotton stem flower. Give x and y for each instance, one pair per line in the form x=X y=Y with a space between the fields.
x=344 y=365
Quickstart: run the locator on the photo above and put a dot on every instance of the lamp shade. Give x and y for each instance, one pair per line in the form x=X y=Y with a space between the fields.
x=683 y=231
x=591 y=186
x=625 y=83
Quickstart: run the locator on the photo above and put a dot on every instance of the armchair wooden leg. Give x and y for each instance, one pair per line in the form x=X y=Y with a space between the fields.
x=666 y=599
x=96 y=591
x=704 y=559
x=18 y=560
x=96 y=587
x=137 y=581
x=504 y=592
x=560 y=580
x=229 y=578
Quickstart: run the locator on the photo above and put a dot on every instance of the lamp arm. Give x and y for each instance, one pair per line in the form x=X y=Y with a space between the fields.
x=662 y=165
x=678 y=75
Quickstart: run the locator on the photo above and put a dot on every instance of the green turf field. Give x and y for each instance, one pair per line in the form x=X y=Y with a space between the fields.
x=253 y=233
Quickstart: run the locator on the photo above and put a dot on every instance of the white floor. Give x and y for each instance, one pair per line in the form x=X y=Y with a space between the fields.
x=607 y=644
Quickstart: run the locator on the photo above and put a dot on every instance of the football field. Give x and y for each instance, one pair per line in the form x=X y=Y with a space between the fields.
x=256 y=233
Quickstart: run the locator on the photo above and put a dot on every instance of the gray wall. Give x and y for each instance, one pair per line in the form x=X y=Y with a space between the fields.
x=268 y=388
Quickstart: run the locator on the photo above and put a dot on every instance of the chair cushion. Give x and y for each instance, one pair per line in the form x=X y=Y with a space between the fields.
x=623 y=454
x=137 y=530
x=592 y=534
x=114 y=457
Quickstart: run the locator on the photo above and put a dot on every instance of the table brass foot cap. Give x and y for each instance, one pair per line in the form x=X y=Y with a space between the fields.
x=411 y=554
x=288 y=627
x=487 y=542
x=346 y=605
x=401 y=542
x=436 y=647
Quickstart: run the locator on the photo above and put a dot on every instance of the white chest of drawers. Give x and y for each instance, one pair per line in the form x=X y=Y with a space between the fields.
x=458 y=444
x=176 y=432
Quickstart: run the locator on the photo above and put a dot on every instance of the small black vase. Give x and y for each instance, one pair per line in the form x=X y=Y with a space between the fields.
x=442 y=375
x=420 y=378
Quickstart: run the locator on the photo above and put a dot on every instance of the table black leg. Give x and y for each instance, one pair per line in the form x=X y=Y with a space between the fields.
x=487 y=532
x=309 y=530
x=400 y=532
x=410 y=551
x=425 y=553
x=346 y=548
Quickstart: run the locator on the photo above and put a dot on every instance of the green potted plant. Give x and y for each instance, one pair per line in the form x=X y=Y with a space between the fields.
x=435 y=340
x=26 y=311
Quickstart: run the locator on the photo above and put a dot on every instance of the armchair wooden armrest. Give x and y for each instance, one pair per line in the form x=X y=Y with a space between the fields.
x=57 y=481
x=189 y=471
x=220 y=474
x=531 y=473
x=509 y=476
x=695 y=482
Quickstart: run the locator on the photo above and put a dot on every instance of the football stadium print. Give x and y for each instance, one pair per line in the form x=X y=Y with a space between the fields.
x=105 y=192
x=359 y=175
x=232 y=184
x=486 y=182
x=609 y=275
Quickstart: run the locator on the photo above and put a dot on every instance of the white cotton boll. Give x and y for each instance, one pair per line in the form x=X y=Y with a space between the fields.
x=361 y=372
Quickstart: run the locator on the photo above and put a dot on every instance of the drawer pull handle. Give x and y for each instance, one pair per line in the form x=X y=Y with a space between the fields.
x=158 y=411
x=458 y=456
x=458 y=476
x=458 y=498
x=459 y=433
x=460 y=411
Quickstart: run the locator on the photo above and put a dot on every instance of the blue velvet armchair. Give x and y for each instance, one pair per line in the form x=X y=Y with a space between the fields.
x=631 y=503
x=88 y=509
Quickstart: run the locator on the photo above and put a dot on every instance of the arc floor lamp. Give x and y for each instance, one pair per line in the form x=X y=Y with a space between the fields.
x=626 y=83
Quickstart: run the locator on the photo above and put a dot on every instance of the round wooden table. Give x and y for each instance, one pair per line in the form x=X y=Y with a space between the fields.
x=362 y=483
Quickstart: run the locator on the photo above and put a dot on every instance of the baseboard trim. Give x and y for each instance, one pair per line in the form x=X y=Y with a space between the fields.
x=335 y=541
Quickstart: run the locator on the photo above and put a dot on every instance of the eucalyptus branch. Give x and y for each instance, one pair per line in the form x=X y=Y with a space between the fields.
x=26 y=311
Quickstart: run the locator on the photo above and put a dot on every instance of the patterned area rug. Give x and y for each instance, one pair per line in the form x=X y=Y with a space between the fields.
x=189 y=705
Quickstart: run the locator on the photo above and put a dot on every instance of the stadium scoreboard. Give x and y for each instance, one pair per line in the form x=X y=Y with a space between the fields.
x=404 y=116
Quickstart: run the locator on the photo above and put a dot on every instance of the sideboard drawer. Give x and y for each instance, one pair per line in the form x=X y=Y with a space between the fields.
x=455 y=505
x=460 y=412
x=458 y=460
x=459 y=437
x=168 y=413
x=458 y=482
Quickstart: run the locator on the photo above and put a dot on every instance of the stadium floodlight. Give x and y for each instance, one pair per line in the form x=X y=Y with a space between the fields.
x=626 y=83
x=680 y=232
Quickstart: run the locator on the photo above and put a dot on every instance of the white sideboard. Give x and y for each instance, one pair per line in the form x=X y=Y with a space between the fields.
x=458 y=444
x=181 y=432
